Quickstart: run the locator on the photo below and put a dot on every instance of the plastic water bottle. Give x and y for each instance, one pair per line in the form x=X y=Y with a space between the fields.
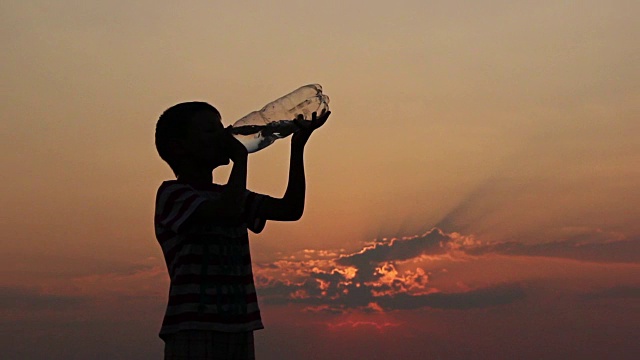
x=261 y=128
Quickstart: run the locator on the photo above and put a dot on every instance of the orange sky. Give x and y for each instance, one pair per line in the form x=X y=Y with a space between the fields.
x=511 y=127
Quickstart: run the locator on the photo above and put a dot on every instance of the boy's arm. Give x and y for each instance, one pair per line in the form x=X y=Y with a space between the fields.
x=230 y=205
x=291 y=206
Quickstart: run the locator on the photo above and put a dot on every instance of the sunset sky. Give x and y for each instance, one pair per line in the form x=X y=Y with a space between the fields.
x=474 y=195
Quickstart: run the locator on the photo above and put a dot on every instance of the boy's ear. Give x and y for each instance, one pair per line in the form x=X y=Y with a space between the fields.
x=176 y=147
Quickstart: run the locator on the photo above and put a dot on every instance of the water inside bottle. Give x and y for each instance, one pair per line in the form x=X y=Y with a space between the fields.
x=256 y=137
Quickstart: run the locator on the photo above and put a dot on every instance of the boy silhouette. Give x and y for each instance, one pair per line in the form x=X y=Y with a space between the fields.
x=201 y=226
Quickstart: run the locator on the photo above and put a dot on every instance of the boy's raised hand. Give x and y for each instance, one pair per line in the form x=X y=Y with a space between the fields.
x=301 y=136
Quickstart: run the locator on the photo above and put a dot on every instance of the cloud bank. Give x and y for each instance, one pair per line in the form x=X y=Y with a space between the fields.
x=390 y=273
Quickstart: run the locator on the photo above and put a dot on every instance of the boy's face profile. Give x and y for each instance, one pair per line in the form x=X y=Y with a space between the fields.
x=202 y=145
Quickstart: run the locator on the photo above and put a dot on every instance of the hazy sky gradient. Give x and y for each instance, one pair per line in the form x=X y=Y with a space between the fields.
x=510 y=126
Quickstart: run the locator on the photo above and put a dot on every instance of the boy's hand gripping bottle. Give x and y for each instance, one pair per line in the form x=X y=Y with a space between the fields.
x=260 y=129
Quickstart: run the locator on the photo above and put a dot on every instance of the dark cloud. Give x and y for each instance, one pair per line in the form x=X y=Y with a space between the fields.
x=617 y=292
x=363 y=298
x=32 y=299
x=623 y=251
x=369 y=280
x=370 y=257
x=480 y=298
x=270 y=288
x=386 y=274
x=269 y=266
x=430 y=243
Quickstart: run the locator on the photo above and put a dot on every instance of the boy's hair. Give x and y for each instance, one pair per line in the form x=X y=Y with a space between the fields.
x=173 y=124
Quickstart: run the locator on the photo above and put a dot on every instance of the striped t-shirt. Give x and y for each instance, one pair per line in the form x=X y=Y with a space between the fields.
x=209 y=265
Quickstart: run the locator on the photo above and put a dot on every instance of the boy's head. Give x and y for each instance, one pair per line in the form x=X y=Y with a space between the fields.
x=186 y=135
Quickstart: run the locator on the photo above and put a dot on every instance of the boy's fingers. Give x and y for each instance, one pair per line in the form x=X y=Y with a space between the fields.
x=315 y=122
x=322 y=119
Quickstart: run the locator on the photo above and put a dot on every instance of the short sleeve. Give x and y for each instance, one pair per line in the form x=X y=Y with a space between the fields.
x=252 y=206
x=175 y=202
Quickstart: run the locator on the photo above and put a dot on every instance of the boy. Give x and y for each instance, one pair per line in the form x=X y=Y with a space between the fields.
x=202 y=227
